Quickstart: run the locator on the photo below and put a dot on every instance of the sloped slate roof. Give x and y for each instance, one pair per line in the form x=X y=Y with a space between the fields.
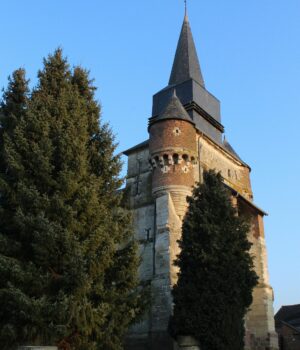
x=173 y=110
x=239 y=195
x=141 y=145
x=230 y=149
x=186 y=63
x=289 y=314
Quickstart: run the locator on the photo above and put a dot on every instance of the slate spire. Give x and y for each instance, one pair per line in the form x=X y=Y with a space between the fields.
x=186 y=63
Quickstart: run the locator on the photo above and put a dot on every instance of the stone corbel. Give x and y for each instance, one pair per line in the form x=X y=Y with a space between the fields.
x=170 y=160
x=161 y=161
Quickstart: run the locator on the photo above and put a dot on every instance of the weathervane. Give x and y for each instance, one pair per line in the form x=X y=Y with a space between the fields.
x=185 y=6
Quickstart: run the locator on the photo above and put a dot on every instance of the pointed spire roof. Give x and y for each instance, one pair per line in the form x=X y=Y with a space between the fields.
x=173 y=110
x=186 y=63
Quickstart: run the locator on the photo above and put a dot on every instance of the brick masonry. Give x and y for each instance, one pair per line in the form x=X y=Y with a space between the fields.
x=159 y=180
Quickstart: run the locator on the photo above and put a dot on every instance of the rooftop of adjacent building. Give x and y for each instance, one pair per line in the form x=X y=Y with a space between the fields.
x=288 y=315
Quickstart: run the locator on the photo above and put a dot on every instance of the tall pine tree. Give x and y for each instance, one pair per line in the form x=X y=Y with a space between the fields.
x=216 y=278
x=13 y=106
x=69 y=265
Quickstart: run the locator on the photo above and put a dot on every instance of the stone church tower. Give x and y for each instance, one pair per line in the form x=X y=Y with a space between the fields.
x=186 y=137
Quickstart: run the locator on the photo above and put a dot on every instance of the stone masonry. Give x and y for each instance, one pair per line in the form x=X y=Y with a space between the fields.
x=185 y=138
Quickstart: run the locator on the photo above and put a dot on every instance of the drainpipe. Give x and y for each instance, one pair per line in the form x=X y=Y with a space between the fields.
x=199 y=159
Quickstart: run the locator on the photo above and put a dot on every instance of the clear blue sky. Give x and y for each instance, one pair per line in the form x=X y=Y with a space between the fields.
x=250 y=57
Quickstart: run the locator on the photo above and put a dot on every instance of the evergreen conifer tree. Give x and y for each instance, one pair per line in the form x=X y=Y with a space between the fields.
x=12 y=106
x=68 y=265
x=216 y=278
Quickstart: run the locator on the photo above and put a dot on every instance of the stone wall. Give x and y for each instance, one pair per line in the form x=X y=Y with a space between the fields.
x=235 y=173
x=260 y=318
x=159 y=206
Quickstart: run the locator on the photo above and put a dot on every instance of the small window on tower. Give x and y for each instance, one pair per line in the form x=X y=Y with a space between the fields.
x=229 y=173
x=176 y=131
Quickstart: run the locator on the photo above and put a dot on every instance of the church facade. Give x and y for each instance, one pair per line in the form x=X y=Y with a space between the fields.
x=185 y=138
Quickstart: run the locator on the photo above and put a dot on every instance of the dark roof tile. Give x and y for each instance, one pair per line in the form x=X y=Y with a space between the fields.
x=173 y=110
x=141 y=145
x=186 y=63
x=230 y=149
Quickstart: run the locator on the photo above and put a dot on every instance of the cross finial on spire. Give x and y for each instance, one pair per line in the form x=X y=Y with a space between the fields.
x=185 y=7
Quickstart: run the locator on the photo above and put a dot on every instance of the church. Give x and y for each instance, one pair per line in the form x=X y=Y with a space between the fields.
x=186 y=137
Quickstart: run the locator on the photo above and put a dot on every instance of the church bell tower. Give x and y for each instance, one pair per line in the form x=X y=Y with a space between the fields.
x=185 y=138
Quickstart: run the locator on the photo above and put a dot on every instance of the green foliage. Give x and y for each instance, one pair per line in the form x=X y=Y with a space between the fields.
x=216 y=279
x=12 y=107
x=68 y=265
